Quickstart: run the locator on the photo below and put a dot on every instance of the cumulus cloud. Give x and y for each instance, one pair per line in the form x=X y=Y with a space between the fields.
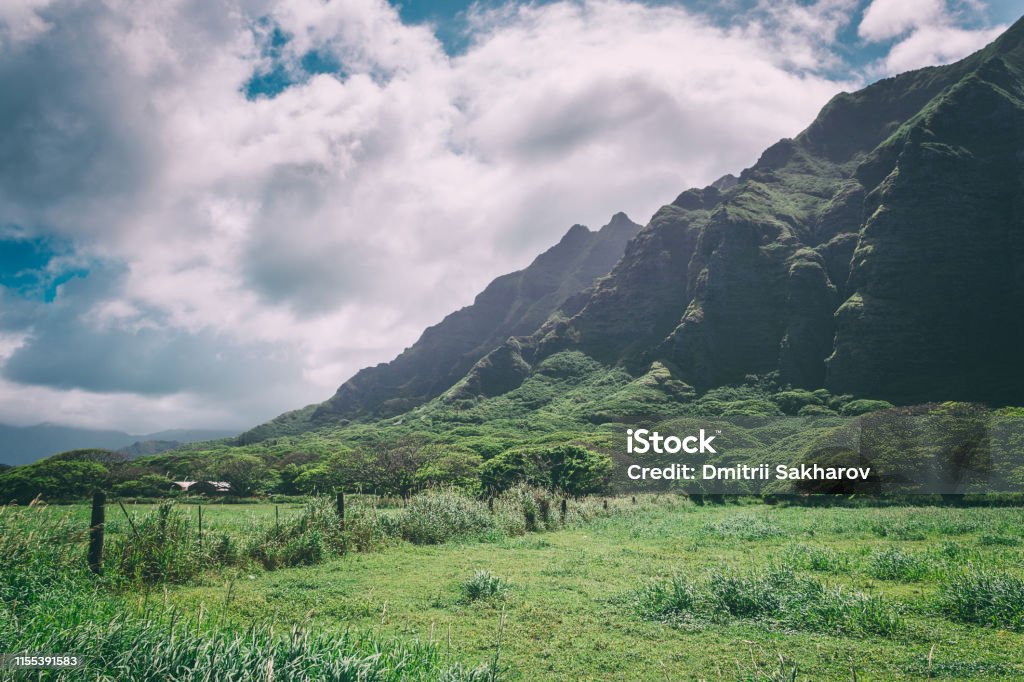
x=268 y=196
x=926 y=32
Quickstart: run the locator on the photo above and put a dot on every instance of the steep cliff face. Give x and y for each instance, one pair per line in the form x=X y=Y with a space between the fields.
x=512 y=305
x=937 y=275
x=631 y=311
x=876 y=253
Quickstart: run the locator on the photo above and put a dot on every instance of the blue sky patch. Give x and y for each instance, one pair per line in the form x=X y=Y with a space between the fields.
x=27 y=266
x=283 y=72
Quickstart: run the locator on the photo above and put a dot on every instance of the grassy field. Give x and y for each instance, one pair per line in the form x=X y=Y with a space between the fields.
x=666 y=589
x=573 y=607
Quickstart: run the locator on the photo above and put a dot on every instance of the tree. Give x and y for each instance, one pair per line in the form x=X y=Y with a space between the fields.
x=53 y=479
x=571 y=468
x=146 y=485
x=451 y=467
x=247 y=474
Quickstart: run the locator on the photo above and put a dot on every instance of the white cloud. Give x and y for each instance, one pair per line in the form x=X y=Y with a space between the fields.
x=322 y=229
x=931 y=45
x=885 y=19
x=926 y=32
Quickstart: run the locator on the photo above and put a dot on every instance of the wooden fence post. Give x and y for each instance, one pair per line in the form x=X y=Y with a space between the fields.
x=565 y=509
x=341 y=510
x=277 y=518
x=96 y=533
x=200 y=528
x=606 y=504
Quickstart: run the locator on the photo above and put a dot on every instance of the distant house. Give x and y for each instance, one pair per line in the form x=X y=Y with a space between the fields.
x=203 y=487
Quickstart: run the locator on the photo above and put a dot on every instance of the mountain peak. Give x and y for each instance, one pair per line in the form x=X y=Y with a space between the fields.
x=619 y=224
x=577 y=231
x=620 y=218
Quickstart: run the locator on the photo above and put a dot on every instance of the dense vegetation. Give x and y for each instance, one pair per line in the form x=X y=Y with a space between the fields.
x=564 y=428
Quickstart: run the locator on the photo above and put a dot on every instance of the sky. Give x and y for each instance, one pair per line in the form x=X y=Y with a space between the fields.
x=213 y=211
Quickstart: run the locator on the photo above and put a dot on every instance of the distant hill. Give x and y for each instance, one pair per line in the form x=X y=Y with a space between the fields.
x=25 y=444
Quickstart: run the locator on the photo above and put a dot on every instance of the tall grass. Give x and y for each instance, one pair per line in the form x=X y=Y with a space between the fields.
x=983 y=597
x=776 y=597
x=158 y=644
x=307 y=539
x=437 y=517
x=160 y=547
x=818 y=559
x=484 y=585
x=49 y=602
x=896 y=564
x=743 y=527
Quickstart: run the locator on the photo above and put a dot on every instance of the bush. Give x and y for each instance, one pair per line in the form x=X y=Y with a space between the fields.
x=855 y=408
x=56 y=478
x=484 y=585
x=791 y=402
x=815 y=411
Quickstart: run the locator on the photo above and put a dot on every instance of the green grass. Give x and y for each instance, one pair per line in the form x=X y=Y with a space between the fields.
x=796 y=593
x=573 y=612
x=984 y=597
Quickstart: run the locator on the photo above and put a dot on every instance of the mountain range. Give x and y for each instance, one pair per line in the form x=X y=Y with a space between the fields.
x=879 y=253
x=24 y=444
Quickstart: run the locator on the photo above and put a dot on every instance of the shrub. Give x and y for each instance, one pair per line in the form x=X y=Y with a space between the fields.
x=815 y=411
x=984 y=597
x=791 y=402
x=856 y=408
x=484 y=585
x=54 y=478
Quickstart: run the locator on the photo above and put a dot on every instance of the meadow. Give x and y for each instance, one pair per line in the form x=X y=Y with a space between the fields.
x=659 y=589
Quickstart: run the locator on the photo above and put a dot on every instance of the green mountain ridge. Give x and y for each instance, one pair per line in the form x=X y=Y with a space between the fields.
x=878 y=253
